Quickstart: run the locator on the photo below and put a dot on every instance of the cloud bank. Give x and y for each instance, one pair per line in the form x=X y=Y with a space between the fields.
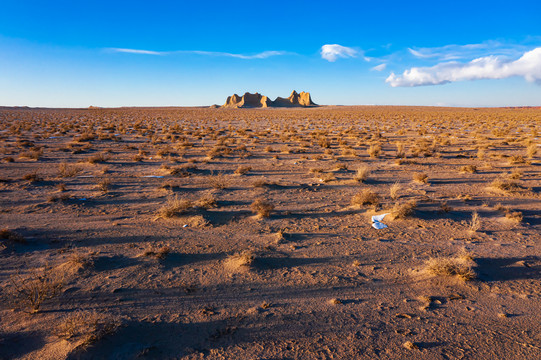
x=261 y=55
x=331 y=52
x=527 y=66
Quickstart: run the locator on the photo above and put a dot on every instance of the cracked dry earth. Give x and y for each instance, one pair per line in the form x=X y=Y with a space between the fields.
x=137 y=228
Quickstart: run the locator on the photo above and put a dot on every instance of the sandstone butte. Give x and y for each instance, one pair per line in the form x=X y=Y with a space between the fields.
x=256 y=100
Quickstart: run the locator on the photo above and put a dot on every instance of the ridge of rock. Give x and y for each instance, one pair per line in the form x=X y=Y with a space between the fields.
x=249 y=100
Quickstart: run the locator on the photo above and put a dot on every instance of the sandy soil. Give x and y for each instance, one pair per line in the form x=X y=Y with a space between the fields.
x=133 y=233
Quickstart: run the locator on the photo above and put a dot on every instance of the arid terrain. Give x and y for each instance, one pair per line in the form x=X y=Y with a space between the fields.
x=190 y=233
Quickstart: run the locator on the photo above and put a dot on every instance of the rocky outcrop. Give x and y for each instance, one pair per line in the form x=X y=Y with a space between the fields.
x=257 y=100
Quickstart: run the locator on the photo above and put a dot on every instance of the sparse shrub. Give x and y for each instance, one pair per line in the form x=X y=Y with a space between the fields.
x=67 y=170
x=505 y=185
x=420 y=178
x=137 y=158
x=515 y=175
x=242 y=259
x=77 y=262
x=400 y=150
x=515 y=216
x=460 y=266
x=327 y=177
x=160 y=253
x=242 y=170
x=97 y=158
x=259 y=183
x=444 y=207
x=374 y=150
x=362 y=174
x=174 y=207
x=516 y=159
x=206 y=201
x=394 y=190
x=104 y=185
x=481 y=154
x=32 y=154
x=340 y=166
x=59 y=197
x=475 y=223
x=468 y=169
x=410 y=345
x=402 y=211
x=87 y=327
x=531 y=150
x=32 y=177
x=218 y=182
x=262 y=208
x=39 y=286
x=366 y=197
x=11 y=236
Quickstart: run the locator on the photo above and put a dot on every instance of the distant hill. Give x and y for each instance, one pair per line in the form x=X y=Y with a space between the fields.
x=256 y=100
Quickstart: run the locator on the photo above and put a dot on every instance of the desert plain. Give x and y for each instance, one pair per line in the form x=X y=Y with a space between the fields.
x=191 y=233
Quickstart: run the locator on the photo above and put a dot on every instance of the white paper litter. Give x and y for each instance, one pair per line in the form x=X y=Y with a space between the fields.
x=376 y=221
x=153 y=176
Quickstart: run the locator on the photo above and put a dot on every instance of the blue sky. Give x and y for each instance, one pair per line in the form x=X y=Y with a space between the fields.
x=161 y=53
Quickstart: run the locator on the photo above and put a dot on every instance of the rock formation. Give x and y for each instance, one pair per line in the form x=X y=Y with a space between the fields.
x=257 y=100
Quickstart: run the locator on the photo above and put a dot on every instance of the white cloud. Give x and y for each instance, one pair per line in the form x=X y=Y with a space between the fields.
x=379 y=67
x=331 y=52
x=261 y=55
x=136 y=51
x=468 y=51
x=527 y=66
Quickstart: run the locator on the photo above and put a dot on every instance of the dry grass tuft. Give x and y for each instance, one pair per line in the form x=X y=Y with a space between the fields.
x=207 y=201
x=32 y=177
x=531 y=150
x=362 y=174
x=97 y=158
x=174 y=207
x=11 y=236
x=460 y=266
x=505 y=185
x=410 y=345
x=366 y=197
x=103 y=185
x=515 y=216
x=78 y=262
x=327 y=177
x=394 y=190
x=243 y=170
x=260 y=183
x=468 y=169
x=160 y=253
x=218 y=182
x=420 y=178
x=67 y=170
x=243 y=259
x=374 y=150
x=404 y=210
x=262 y=208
